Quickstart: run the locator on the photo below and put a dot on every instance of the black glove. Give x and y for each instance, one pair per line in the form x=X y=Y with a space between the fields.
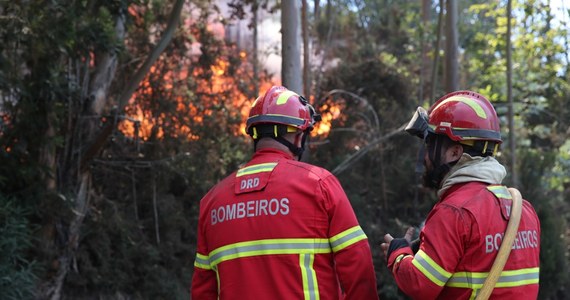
x=415 y=245
x=396 y=244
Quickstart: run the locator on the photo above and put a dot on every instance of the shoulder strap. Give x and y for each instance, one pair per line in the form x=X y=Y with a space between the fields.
x=506 y=245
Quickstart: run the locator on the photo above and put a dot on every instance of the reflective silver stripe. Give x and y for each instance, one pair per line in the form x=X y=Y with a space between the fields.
x=202 y=261
x=509 y=278
x=275 y=118
x=516 y=278
x=338 y=241
x=310 y=286
x=268 y=247
x=430 y=268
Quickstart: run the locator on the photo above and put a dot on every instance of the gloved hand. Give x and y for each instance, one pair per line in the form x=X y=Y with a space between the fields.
x=391 y=244
x=415 y=245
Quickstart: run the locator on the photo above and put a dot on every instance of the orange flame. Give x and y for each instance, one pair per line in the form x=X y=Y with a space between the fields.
x=329 y=111
x=142 y=123
x=220 y=82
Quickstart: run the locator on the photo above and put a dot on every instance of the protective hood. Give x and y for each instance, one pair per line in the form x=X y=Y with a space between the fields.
x=468 y=168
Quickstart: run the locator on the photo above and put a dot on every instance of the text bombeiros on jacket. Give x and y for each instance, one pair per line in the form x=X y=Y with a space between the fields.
x=524 y=239
x=249 y=209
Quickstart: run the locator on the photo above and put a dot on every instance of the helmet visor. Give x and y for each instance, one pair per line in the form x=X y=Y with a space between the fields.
x=315 y=117
x=418 y=125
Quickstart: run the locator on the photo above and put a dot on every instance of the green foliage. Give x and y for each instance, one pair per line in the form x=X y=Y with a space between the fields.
x=541 y=108
x=536 y=169
x=541 y=114
x=18 y=277
x=553 y=257
x=379 y=184
x=120 y=255
x=138 y=240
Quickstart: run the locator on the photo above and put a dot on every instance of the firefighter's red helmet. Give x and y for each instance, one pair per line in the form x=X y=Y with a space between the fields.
x=282 y=107
x=465 y=116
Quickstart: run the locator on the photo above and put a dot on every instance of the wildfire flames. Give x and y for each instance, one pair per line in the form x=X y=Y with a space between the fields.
x=143 y=122
x=164 y=81
x=329 y=112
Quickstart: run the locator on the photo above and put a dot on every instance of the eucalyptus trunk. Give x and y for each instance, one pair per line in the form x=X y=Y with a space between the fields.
x=451 y=45
x=436 y=51
x=97 y=92
x=512 y=140
x=291 y=75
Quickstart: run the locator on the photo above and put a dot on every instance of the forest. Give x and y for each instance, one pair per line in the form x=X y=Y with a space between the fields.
x=118 y=116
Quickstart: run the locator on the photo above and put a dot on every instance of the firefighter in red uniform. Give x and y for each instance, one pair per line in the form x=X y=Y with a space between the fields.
x=279 y=228
x=463 y=231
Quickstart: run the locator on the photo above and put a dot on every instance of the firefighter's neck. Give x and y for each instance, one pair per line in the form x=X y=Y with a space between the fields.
x=269 y=143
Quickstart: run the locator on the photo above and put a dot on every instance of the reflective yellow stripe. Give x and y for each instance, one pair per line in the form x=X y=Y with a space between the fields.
x=253 y=169
x=470 y=102
x=291 y=129
x=511 y=278
x=347 y=238
x=281 y=246
x=467 y=142
x=255 y=102
x=306 y=248
x=473 y=294
x=310 y=284
x=283 y=97
x=202 y=262
x=269 y=247
x=430 y=268
x=500 y=191
x=485 y=148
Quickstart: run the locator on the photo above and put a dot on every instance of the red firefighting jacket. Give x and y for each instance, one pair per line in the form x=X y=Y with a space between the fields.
x=280 y=229
x=459 y=243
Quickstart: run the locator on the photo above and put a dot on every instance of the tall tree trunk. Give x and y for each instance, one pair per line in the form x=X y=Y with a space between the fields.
x=98 y=95
x=255 y=61
x=451 y=42
x=316 y=10
x=133 y=84
x=325 y=48
x=512 y=140
x=436 y=51
x=291 y=75
x=424 y=66
x=48 y=154
x=306 y=52
x=418 y=191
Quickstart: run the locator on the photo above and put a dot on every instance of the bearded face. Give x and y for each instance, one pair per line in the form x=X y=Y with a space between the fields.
x=435 y=164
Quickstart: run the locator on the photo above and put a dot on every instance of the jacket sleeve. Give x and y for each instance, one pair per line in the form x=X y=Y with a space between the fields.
x=204 y=280
x=424 y=274
x=351 y=251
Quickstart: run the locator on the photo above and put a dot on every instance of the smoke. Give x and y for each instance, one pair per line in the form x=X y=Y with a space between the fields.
x=269 y=36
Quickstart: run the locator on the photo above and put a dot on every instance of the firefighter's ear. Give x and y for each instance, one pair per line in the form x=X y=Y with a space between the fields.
x=453 y=152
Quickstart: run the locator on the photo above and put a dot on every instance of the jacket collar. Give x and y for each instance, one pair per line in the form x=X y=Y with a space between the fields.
x=271 y=152
x=468 y=168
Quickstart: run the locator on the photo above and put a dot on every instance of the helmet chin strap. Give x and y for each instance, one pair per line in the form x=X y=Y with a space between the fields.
x=297 y=151
x=267 y=132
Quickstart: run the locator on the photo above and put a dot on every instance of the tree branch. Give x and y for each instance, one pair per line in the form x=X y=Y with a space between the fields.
x=129 y=90
x=353 y=158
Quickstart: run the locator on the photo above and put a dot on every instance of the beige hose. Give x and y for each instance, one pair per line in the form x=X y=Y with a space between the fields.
x=506 y=245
